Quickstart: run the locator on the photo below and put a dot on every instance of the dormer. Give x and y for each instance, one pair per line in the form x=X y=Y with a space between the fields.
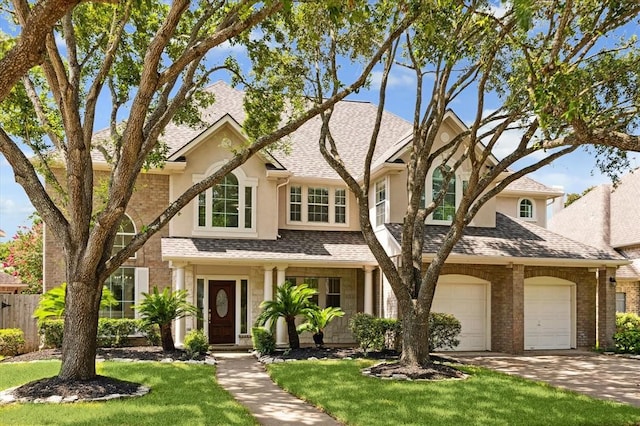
x=527 y=199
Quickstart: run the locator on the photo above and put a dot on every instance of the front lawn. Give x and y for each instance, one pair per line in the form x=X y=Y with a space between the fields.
x=486 y=398
x=181 y=394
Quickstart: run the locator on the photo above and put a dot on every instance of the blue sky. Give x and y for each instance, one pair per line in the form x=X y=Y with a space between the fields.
x=574 y=172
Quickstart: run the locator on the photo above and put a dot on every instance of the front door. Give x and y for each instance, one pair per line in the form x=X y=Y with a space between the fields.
x=222 y=311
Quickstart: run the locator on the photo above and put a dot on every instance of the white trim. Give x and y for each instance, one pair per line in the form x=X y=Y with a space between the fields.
x=304 y=206
x=205 y=302
x=193 y=143
x=555 y=282
x=533 y=209
x=244 y=181
x=458 y=177
x=385 y=202
x=141 y=285
x=471 y=280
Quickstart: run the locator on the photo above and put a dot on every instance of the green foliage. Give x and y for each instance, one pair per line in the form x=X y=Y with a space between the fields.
x=263 y=341
x=195 y=343
x=290 y=301
x=317 y=320
x=573 y=197
x=11 y=341
x=52 y=302
x=444 y=330
x=162 y=308
x=112 y=332
x=51 y=331
x=627 y=336
x=373 y=333
x=22 y=256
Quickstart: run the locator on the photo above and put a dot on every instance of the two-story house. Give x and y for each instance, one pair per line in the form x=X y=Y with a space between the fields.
x=513 y=284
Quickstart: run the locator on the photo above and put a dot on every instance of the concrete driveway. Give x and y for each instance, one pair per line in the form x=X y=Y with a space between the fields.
x=609 y=377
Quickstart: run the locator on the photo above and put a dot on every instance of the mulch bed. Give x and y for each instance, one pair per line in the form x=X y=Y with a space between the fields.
x=432 y=371
x=140 y=353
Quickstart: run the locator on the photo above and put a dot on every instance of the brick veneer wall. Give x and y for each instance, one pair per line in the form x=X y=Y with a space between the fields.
x=149 y=199
x=507 y=306
x=632 y=291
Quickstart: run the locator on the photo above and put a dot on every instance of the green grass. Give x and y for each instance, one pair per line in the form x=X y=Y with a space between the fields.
x=486 y=398
x=181 y=394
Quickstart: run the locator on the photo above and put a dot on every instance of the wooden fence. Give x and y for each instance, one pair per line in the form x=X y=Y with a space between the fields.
x=17 y=312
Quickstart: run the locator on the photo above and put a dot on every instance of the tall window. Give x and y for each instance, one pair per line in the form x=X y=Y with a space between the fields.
x=329 y=287
x=381 y=199
x=244 y=306
x=318 y=205
x=525 y=209
x=621 y=302
x=295 y=203
x=230 y=204
x=333 y=292
x=122 y=284
x=126 y=232
x=340 y=206
x=447 y=207
x=224 y=203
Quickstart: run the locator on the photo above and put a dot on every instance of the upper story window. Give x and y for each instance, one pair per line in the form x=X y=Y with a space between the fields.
x=228 y=205
x=446 y=209
x=525 y=209
x=317 y=204
x=126 y=232
x=381 y=202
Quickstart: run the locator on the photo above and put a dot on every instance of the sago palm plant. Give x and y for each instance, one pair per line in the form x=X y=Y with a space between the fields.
x=318 y=320
x=162 y=308
x=290 y=301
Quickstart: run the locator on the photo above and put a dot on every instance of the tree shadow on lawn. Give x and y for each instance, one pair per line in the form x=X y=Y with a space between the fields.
x=486 y=397
x=181 y=394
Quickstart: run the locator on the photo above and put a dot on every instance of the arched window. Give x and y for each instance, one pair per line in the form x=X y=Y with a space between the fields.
x=228 y=205
x=447 y=207
x=525 y=209
x=126 y=232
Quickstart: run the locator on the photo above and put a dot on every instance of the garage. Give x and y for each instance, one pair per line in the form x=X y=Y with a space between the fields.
x=466 y=298
x=549 y=313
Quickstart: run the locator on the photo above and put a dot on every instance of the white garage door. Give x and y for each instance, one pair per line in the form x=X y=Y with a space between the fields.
x=467 y=301
x=547 y=316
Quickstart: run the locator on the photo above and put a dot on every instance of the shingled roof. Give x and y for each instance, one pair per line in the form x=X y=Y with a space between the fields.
x=511 y=238
x=529 y=186
x=325 y=247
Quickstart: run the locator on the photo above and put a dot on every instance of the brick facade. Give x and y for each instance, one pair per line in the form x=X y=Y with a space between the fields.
x=631 y=289
x=149 y=199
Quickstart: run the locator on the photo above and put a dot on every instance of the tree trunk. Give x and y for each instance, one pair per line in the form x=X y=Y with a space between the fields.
x=167 y=338
x=415 y=336
x=80 y=331
x=294 y=339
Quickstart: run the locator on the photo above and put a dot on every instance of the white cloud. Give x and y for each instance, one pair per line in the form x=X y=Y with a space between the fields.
x=397 y=78
x=10 y=207
x=498 y=9
x=227 y=47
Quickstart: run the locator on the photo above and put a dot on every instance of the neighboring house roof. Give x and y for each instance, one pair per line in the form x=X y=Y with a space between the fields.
x=586 y=219
x=338 y=248
x=10 y=283
x=527 y=186
x=512 y=238
x=625 y=203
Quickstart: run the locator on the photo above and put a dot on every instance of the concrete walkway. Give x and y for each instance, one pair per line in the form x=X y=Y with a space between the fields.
x=600 y=376
x=246 y=379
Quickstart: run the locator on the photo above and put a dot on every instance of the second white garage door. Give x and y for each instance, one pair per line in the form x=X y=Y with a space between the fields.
x=548 y=314
x=466 y=298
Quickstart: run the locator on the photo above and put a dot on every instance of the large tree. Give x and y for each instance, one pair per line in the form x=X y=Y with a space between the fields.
x=148 y=61
x=559 y=73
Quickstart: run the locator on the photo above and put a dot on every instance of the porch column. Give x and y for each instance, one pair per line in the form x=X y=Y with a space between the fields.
x=179 y=286
x=368 y=289
x=606 y=307
x=268 y=283
x=281 y=331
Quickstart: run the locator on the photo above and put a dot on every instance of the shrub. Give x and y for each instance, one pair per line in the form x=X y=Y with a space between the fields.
x=195 y=343
x=11 y=341
x=263 y=341
x=111 y=332
x=627 y=337
x=373 y=333
x=376 y=334
x=50 y=332
x=444 y=330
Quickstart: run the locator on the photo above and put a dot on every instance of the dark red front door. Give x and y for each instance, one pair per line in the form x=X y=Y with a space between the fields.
x=222 y=311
